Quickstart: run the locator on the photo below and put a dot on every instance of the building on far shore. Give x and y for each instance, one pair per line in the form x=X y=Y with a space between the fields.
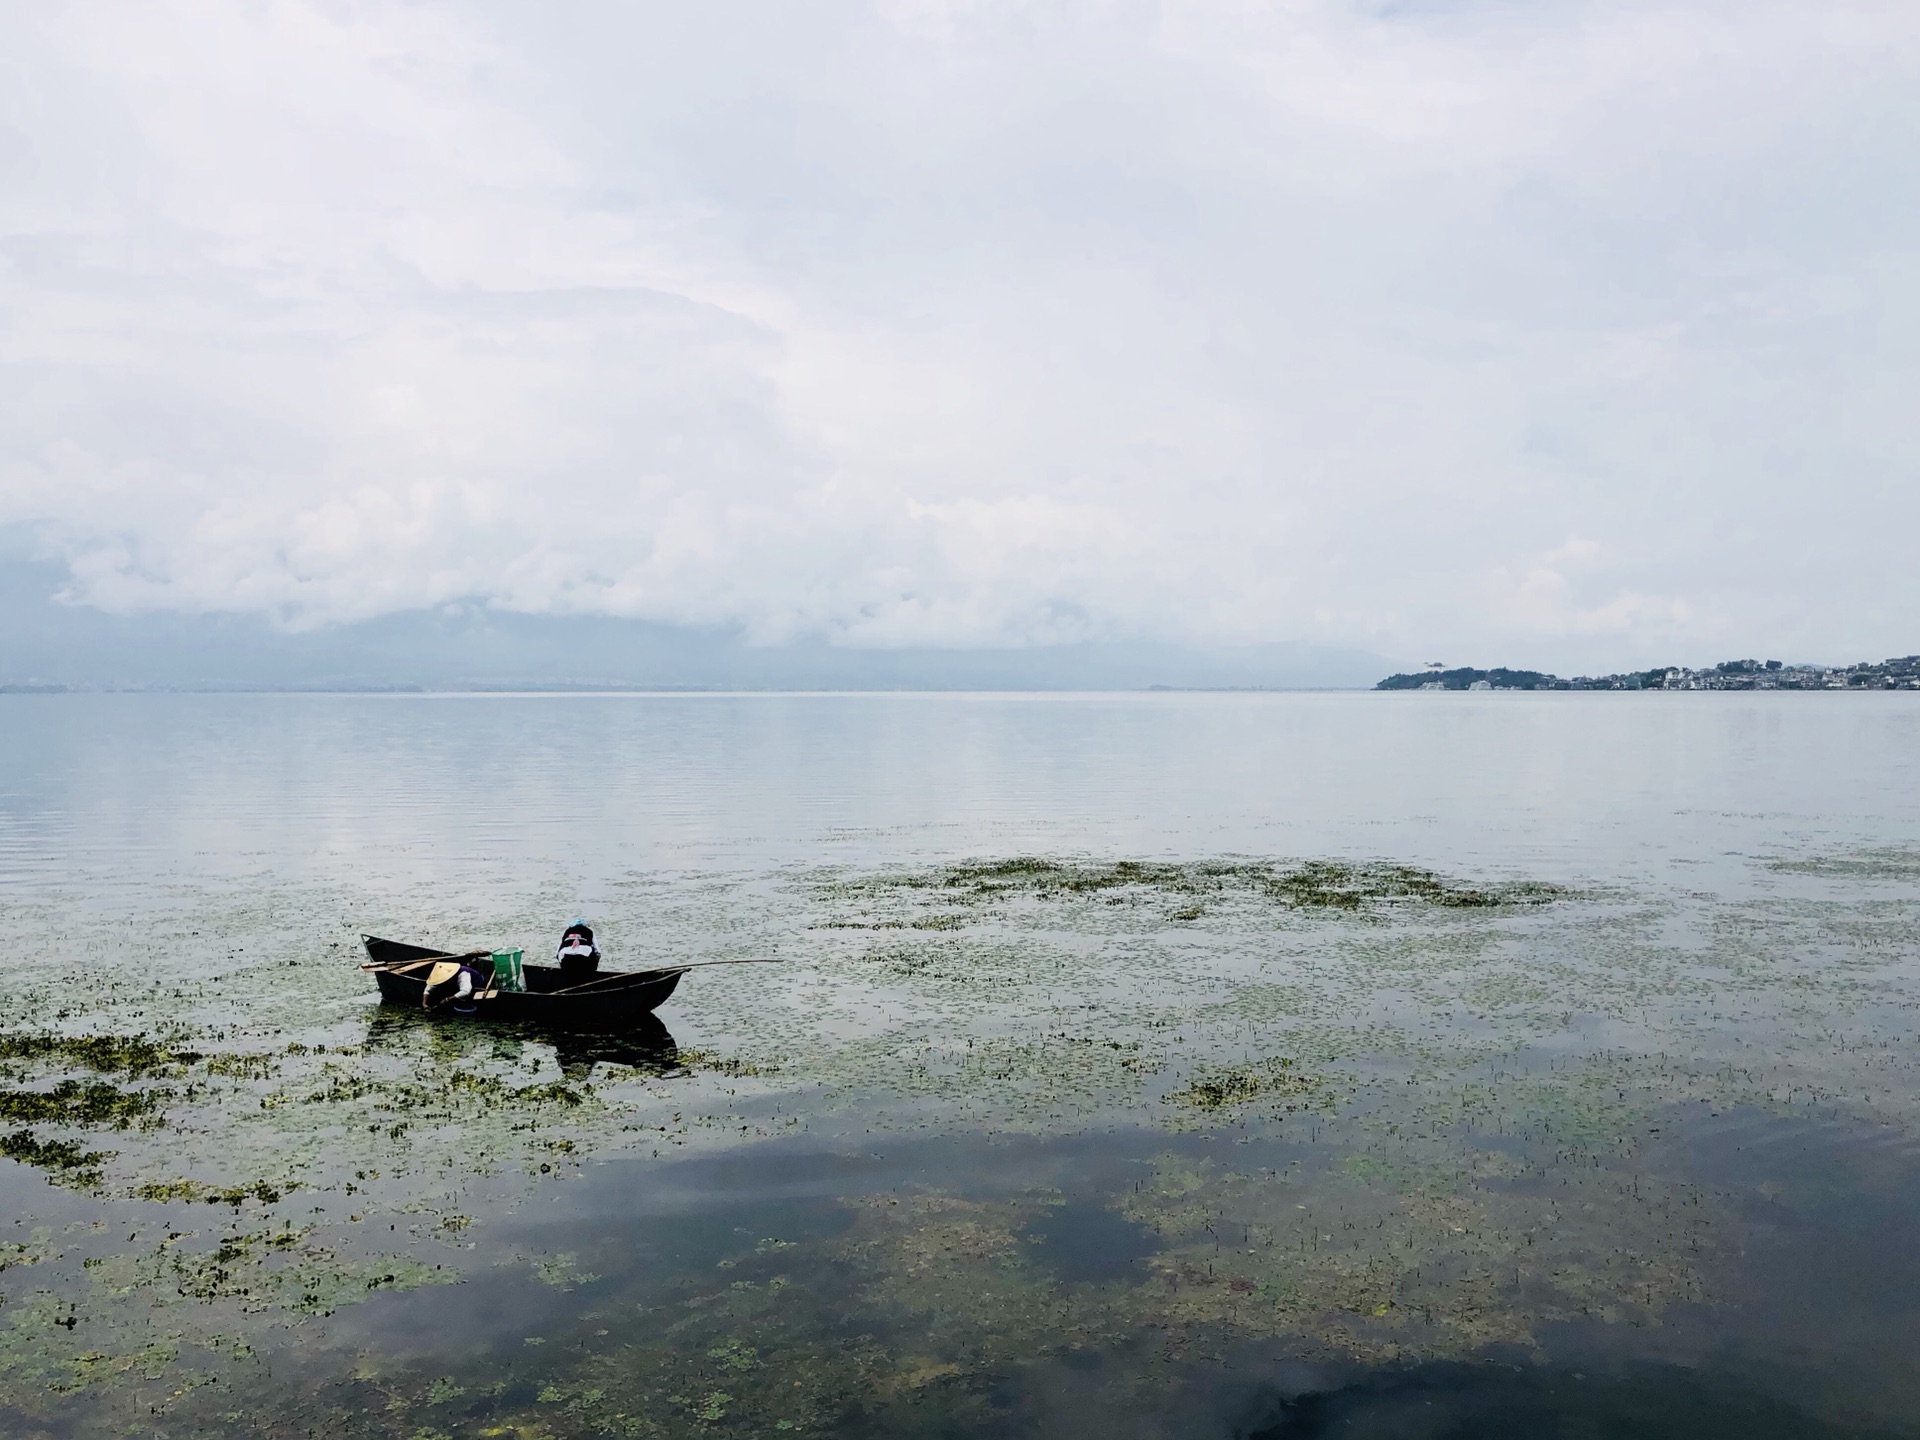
x=1902 y=673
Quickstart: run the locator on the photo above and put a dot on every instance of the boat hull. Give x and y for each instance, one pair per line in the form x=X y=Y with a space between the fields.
x=604 y=1001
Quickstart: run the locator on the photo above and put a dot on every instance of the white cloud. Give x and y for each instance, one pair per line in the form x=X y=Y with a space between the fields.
x=968 y=321
x=1551 y=594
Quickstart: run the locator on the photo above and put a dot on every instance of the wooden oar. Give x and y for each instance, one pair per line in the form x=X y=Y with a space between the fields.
x=399 y=967
x=663 y=970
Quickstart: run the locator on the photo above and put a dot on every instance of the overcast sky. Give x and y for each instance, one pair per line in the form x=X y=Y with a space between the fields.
x=1538 y=331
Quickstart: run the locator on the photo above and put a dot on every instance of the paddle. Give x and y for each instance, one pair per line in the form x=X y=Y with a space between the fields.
x=663 y=970
x=399 y=967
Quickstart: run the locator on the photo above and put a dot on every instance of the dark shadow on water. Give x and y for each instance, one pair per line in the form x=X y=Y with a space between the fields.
x=1495 y=1402
x=644 y=1044
x=1083 y=1241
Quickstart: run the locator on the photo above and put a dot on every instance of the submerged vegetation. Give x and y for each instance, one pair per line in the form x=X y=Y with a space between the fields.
x=139 y=1056
x=1352 y=1109
x=63 y=1158
x=73 y=1103
x=1878 y=863
x=1275 y=1079
x=1311 y=884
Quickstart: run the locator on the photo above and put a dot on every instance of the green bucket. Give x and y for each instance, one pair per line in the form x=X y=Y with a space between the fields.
x=506 y=970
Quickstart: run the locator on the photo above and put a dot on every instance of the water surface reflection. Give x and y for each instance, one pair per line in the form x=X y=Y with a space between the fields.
x=1139 y=1065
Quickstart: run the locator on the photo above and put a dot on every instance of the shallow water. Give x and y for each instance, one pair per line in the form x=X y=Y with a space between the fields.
x=1373 y=1065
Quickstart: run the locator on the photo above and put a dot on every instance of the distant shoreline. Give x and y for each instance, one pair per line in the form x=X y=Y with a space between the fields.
x=1480 y=680
x=585 y=690
x=1902 y=673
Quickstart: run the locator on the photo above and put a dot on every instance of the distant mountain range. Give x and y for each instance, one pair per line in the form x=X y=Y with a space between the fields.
x=472 y=649
x=1898 y=674
x=47 y=646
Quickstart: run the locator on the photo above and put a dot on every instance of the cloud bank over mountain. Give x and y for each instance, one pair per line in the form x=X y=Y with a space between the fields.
x=1576 y=334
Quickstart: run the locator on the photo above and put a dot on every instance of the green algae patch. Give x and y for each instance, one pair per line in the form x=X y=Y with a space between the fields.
x=1275 y=1079
x=1869 y=863
x=1308 y=885
x=713 y=1062
x=176 y=1191
x=133 y=1055
x=18 y=1253
x=75 y=1104
x=64 y=1160
x=554 y=1092
x=93 y=1105
x=43 y=1359
x=244 y=1067
x=563 y=1271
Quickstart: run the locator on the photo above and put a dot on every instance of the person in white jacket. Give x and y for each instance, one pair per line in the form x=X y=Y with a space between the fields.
x=578 y=955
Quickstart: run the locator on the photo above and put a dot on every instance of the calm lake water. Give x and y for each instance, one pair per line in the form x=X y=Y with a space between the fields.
x=1140 y=1065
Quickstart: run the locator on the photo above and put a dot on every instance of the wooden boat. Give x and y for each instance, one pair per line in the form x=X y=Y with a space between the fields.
x=604 y=1001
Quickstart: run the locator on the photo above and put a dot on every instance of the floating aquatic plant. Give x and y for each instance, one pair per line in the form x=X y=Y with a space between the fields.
x=135 y=1055
x=64 y=1158
x=73 y=1103
x=1310 y=884
x=315 y=1154
x=1218 y=1089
